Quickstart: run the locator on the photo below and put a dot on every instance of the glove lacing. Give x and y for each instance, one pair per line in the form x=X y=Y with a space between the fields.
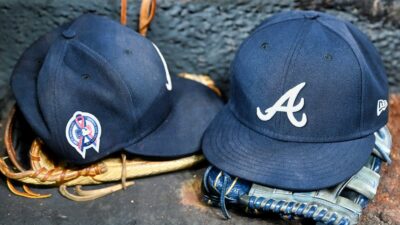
x=223 y=193
x=225 y=179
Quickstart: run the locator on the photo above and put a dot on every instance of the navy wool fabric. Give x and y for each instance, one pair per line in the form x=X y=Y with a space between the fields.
x=94 y=87
x=307 y=93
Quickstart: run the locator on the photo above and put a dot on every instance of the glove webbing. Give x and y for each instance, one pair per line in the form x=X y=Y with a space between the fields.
x=293 y=208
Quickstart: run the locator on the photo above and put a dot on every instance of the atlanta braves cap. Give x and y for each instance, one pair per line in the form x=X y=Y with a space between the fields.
x=94 y=87
x=307 y=93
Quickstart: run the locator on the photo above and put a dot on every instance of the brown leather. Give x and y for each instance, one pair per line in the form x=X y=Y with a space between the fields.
x=57 y=174
x=88 y=195
x=8 y=140
x=147 y=12
x=28 y=192
x=44 y=172
x=123 y=173
x=123 y=12
x=35 y=195
x=61 y=174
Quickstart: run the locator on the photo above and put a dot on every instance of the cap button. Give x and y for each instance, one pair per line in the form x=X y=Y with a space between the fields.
x=311 y=16
x=68 y=34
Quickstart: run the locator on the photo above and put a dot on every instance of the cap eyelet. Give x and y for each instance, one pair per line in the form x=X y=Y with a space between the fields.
x=128 y=51
x=328 y=57
x=85 y=76
x=264 y=45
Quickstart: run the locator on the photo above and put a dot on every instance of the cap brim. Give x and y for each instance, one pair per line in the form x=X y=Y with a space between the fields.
x=194 y=107
x=233 y=147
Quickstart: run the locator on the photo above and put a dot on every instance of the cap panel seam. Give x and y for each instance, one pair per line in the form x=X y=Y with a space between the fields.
x=361 y=74
x=149 y=130
x=55 y=93
x=295 y=46
x=252 y=34
x=105 y=62
x=144 y=133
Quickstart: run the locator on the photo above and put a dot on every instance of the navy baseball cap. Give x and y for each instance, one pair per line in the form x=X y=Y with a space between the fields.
x=94 y=87
x=307 y=93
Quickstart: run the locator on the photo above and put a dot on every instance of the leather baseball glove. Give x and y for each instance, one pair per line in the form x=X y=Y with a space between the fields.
x=338 y=205
x=27 y=162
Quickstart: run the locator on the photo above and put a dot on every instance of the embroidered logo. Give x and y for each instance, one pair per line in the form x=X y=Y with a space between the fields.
x=83 y=131
x=169 y=83
x=382 y=105
x=290 y=96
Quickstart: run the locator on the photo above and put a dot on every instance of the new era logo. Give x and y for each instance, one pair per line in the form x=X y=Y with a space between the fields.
x=382 y=105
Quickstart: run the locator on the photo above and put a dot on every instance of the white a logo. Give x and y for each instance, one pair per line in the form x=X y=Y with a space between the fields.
x=169 y=83
x=382 y=105
x=290 y=96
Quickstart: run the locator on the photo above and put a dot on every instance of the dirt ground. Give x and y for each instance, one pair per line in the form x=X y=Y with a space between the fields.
x=385 y=208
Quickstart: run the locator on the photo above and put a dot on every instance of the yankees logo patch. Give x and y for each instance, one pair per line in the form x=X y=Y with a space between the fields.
x=290 y=96
x=382 y=105
x=83 y=131
x=169 y=83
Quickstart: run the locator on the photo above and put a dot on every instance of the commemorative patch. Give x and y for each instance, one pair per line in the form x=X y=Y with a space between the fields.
x=83 y=131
